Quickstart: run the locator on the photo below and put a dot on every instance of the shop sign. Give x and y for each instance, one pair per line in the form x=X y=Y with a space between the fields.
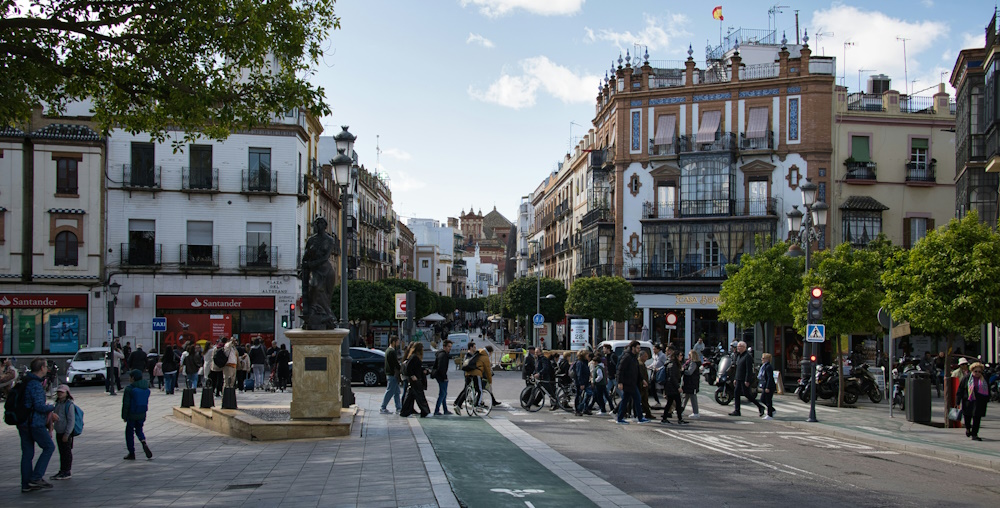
x=273 y=287
x=215 y=302
x=579 y=334
x=44 y=301
x=697 y=299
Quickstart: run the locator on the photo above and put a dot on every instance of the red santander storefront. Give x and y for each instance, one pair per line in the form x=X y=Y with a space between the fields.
x=209 y=318
x=34 y=324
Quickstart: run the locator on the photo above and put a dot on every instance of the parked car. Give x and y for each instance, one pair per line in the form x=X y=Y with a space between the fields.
x=618 y=346
x=368 y=366
x=87 y=366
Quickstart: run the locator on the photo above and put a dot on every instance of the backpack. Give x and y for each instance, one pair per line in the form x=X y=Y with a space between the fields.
x=470 y=363
x=221 y=358
x=139 y=402
x=572 y=371
x=15 y=407
x=78 y=421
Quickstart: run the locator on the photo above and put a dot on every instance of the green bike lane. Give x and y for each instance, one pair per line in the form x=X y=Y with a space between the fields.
x=486 y=469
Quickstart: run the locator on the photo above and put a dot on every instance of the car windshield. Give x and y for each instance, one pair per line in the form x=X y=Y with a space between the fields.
x=89 y=356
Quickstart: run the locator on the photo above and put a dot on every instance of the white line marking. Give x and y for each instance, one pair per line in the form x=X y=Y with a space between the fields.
x=731 y=454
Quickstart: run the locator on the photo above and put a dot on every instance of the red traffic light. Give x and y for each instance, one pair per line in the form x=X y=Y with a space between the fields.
x=812 y=358
x=817 y=292
x=292 y=307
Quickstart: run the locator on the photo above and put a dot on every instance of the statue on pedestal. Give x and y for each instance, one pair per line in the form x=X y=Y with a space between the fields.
x=316 y=274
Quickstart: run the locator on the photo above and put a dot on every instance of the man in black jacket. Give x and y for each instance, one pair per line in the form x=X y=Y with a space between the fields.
x=744 y=374
x=528 y=369
x=545 y=374
x=440 y=374
x=628 y=383
x=672 y=388
x=137 y=359
x=392 y=371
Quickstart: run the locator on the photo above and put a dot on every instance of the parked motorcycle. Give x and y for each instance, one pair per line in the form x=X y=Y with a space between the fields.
x=867 y=383
x=727 y=389
x=709 y=364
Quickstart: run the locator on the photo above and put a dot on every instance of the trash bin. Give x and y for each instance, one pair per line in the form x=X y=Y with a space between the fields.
x=918 y=397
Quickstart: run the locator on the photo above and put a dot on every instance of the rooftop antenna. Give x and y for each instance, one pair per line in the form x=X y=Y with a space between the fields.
x=378 y=153
x=862 y=90
x=571 y=124
x=844 y=79
x=772 y=16
x=819 y=38
x=905 y=77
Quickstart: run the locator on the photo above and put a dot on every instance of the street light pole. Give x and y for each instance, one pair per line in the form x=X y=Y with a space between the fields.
x=343 y=165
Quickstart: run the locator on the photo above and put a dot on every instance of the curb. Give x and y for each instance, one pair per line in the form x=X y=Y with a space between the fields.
x=924 y=450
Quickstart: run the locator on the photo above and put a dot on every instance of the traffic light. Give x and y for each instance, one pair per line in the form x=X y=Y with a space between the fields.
x=812 y=358
x=291 y=315
x=284 y=321
x=816 y=304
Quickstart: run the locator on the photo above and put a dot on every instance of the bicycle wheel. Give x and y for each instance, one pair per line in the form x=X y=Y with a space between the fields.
x=614 y=400
x=483 y=409
x=564 y=398
x=536 y=399
x=470 y=400
x=525 y=397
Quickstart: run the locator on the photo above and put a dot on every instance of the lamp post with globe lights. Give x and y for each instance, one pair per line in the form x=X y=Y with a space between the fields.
x=346 y=172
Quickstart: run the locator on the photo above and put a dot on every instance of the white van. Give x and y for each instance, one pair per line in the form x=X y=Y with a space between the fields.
x=618 y=346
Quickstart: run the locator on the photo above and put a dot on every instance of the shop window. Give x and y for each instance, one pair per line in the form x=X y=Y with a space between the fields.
x=67 y=175
x=67 y=249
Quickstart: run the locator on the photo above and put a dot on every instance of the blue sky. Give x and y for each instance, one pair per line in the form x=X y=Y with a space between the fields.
x=472 y=102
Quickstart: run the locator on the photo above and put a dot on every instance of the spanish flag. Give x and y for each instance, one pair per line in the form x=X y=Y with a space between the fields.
x=717 y=13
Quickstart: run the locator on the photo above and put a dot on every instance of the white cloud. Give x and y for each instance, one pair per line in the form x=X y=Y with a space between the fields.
x=927 y=3
x=538 y=73
x=396 y=153
x=876 y=47
x=973 y=40
x=497 y=8
x=479 y=39
x=657 y=34
x=402 y=181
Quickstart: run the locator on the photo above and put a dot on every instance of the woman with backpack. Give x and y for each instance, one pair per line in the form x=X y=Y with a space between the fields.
x=599 y=379
x=64 y=427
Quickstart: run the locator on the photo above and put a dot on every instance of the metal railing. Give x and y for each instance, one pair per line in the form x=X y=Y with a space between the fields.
x=259 y=256
x=920 y=172
x=712 y=207
x=600 y=270
x=861 y=170
x=140 y=255
x=199 y=256
x=923 y=105
x=199 y=179
x=760 y=71
x=676 y=270
x=141 y=177
x=598 y=158
x=724 y=141
x=764 y=143
x=821 y=65
x=865 y=102
x=262 y=181
x=595 y=216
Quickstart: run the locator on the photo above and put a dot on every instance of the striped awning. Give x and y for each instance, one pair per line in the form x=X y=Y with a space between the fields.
x=76 y=211
x=709 y=126
x=665 y=125
x=757 y=124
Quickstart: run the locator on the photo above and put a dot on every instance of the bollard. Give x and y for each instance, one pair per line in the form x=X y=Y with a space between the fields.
x=207 y=395
x=187 y=397
x=229 y=398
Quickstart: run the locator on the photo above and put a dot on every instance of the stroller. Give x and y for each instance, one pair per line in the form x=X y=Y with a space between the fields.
x=270 y=383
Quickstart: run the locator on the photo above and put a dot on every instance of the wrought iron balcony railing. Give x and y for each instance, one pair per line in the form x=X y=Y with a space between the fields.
x=139 y=254
x=260 y=181
x=139 y=177
x=259 y=257
x=861 y=170
x=199 y=256
x=920 y=172
x=194 y=179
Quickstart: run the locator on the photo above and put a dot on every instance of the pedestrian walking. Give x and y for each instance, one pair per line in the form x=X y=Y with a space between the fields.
x=440 y=374
x=232 y=362
x=974 y=393
x=743 y=377
x=169 y=370
x=659 y=362
x=242 y=368
x=136 y=359
x=691 y=382
x=135 y=404
x=528 y=369
x=281 y=359
x=644 y=388
x=765 y=378
x=258 y=361
x=63 y=429
x=213 y=370
x=612 y=370
x=417 y=376
x=584 y=388
x=672 y=388
x=599 y=381
x=113 y=362
x=628 y=383
x=192 y=366
x=391 y=376
x=33 y=430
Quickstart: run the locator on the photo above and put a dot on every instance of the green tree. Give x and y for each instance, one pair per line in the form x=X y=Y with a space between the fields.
x=759 y=289
x=446 y=306
x=492 y=304
x=521 y=298
x=200 y=66
x=426 y=299
x=606 y=298
x=949 y=282
x=366 y=301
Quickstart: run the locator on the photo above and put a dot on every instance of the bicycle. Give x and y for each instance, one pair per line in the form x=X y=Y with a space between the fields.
x=533 y=397
x=482 y=409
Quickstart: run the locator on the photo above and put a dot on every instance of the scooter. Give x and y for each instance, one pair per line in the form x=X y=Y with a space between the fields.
x=727 y=390
x=867 y=383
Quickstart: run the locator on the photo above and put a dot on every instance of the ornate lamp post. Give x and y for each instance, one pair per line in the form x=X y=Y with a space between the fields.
x=806 y=232
x=343 y=165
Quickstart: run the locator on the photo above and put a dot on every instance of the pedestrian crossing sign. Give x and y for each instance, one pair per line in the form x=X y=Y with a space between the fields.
x=815 y=333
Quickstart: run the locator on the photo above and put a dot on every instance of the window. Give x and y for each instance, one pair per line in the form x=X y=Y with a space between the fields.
x=66 y=175
x=142 y=174
x=914 y=229
x=259 y=247
x=918 y=153
x=141 y=248
x=425 y=263
x=260 y=169
x=200 y=176
x=666 y=200
x=707 y=186
x=861 y=226
x=859 y=148
x=67 y=250
x=758 y=198
x=200 y=251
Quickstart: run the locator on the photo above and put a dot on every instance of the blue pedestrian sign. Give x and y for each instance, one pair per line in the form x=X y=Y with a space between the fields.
x=159 y=324
x=815 y=333
x=538 y=319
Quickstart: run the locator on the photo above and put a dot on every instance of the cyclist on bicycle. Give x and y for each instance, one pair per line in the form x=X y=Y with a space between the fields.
x=475 y=377
x=545 y=375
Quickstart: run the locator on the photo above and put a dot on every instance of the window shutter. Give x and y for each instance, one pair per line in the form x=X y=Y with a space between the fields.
x=918 y=143
x=907 y=224
x=930 y=225
x=859 y=148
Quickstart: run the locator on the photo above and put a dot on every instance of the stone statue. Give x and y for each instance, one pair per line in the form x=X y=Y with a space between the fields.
x=317 y=278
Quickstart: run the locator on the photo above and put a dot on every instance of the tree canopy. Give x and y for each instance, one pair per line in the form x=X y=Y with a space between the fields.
x=199 y=66
x=851 y=294
x=759 y=289
x=521 y=298
x=366 y=301
x=427 y=300
x=607 y=298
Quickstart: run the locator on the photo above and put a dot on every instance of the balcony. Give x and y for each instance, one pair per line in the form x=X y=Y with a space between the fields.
x=865 y=102
x=920 y=172
x=600 y=270
x=258 y=257
x=860 y=171
x=759 y=71
x=600 y=215
x=724 y=142
x=141 y=178
x=460 y=272
x=560 y=247
x=200 y=256
x=599 y=159
x=763 y=143
x=303 y=188
x=260 y=182
x=199 y=180
x=676 y=270
x=918 y=105
x=762 y=207
x=140 y=254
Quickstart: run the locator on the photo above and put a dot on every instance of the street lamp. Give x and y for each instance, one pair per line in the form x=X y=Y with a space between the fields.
x=113 y=288
x=805 y=233
x=343 y=166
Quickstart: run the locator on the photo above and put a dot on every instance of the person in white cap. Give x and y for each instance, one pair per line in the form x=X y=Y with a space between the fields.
x=63 y=428
x=963 y=368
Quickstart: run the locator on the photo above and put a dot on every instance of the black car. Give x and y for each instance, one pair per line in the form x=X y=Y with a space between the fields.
x=367 y=366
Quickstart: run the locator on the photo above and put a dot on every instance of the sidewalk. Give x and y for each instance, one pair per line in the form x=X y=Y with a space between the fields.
x=870 y=424
x=380 y=465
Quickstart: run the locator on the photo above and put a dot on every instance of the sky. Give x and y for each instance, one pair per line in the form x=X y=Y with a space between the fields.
x=461 y=103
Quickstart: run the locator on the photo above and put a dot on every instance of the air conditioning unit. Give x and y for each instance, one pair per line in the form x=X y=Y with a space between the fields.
x=878 y=84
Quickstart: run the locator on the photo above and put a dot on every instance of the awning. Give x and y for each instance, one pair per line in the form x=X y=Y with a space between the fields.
x=757 y=124
x=665 y=130
x=709 y=126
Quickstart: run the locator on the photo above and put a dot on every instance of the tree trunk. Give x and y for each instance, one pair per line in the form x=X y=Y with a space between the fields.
x=839 y=363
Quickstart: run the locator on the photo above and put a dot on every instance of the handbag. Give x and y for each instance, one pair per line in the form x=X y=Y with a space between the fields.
x=469 y=364
x=955 y=414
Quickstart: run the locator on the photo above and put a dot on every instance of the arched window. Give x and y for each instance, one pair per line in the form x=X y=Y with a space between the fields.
x=67 y=250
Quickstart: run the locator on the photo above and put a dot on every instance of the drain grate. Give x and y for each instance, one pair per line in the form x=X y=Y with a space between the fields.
x=238 y=486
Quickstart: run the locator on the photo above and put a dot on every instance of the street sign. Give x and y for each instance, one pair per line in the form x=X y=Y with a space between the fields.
x=815 y=333
x=671 y=319
x=900 y=330
x=159 y=324
x=538 y=319
x=671 y=327
x=400 y=305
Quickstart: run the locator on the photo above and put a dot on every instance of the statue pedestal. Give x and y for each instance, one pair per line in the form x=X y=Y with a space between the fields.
x=316 y=372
